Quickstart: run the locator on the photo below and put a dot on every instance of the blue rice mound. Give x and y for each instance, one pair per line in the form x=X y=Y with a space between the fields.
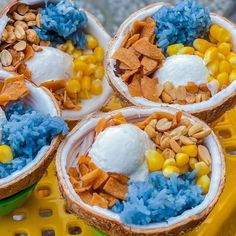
x=26 y=131
x=63 y=21
x=159 y=198
x=183 y=23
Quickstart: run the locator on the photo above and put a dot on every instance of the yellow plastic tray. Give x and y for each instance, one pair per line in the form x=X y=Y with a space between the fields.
x=45 y=213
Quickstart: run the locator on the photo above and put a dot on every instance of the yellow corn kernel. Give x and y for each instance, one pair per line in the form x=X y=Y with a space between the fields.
x=86 y=83
x=169 y=162
x=204 y=182
x=186 y=50
x=190 y=150
x=70 y=46
x=91 y=42
x=84 y=95
x=168 y=171
x=99 y=72
x=201 y=45
x=192 y=162
x=182 y=159
x=214 y=31
x=212 y=40
x=96 y=87
x=224 y=35
x=88 y=58
x=210 y=54
x=210 y=79
x=200 y=54
x=155 y=160
x=79 y=65
x=223 y=79
x=202 y=168
x=90 y=69
x=224 y=48
x=6 y=155
x=99 y=54
x=184 y=169
x=232 y=60
x=213 y=67
x=174 y=48
x=232 y=76
x=79 y=75
x=73 y=86
x=220 y=56
x=77 y=53
x=225 y=66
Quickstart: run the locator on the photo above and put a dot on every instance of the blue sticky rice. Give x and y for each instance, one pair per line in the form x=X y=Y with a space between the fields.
x=26 y=131
x=159 y=198
x=63 y=21
x=183 y=23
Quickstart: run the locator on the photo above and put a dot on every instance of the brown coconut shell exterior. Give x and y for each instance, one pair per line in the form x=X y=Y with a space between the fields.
x=115 y=228
x=32 y=176
x=208 y=115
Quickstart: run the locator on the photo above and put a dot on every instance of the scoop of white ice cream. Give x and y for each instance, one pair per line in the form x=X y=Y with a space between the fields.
x=121 y=149
x=181 y=69
x=50 y=64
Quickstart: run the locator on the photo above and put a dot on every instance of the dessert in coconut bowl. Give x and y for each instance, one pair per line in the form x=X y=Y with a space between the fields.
x=141 y=171
x=179 y=55
x=30 y=132
x=59 y=46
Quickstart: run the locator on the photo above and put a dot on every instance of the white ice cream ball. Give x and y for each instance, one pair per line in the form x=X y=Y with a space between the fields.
x=50 y=64
x=121 y=149
x=181 y=69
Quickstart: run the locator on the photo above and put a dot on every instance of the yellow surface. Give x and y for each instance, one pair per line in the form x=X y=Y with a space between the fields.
x=220 y=222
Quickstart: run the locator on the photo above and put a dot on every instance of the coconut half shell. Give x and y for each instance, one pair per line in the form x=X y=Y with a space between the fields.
x=80 y=140
x=94 y=28
x=208 y=110
x=41 y=100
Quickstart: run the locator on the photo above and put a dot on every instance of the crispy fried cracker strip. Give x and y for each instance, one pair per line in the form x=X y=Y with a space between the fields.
x=23 y=70
x=135 y=87
x=100 y=180
x=132 y=40
x=80 y=190
x=149 y=28
x=98 y=200
x=86 y=197
x=54 y=85
x=101 y=125
x=92 y=166
x=111 y=200
x=119 y=119
x=29 y=52
x=126 y=76
x=115 y=188
x=83 y=169
x=84 y=160
x=90 y=177
x=128 y=57
x=13 y=89
x=123 y=66
x=127 y=36
x=138 y=26
x=149 y=89
x=121 y=178
x=74 y=181
x=149 y=65
x=144 y=47
x=73 y=172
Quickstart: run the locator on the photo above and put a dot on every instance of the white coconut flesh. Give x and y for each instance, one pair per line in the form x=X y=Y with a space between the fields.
x=218 y=98
x=52 y=64
x=39 y=100
x=81 y=139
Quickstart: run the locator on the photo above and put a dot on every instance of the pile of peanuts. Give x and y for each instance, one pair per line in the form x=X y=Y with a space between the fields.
x=217 y=54
x=180 y=149
x=19 y=41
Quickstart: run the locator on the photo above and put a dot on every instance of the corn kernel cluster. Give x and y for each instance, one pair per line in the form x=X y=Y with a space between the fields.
x=88 y=69
x=6 y=155
x=217 y=54
x=184 y=161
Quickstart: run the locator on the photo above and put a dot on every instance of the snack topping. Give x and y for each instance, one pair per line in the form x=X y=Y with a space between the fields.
x=146 y=171
x=176 y=56
x=50 y=45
